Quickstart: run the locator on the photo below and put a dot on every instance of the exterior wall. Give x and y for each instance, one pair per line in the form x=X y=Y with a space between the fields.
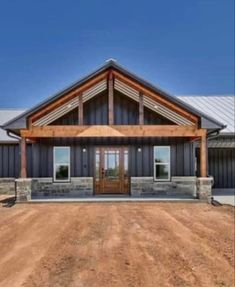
x=179 y=186
x=78 y=187
x=221 y=165
x=96 y=110
x=7 y=186
x=40 y=156
x=9 y=160
x=44 y=188
x=126 y=112
x=70 y=118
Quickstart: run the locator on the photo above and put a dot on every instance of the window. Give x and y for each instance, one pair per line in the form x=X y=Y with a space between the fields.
x=61 y=163
x=162 y=163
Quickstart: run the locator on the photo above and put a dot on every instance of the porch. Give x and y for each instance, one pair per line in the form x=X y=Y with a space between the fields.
x=112 y=166
x=111 y=127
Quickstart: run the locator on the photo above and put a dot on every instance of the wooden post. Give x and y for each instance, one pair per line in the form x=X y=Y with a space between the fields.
x=110 y=98
x=203 y=156
x=80 y=110
x=141 y=109
x=23 y=172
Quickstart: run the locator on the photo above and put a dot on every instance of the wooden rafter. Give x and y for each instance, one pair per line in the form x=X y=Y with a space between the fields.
x=153 y=95
x=80 y=110
x=67 y=97
x=110 y=98
x=141 y=109
x=111 y=73
x=114 y=131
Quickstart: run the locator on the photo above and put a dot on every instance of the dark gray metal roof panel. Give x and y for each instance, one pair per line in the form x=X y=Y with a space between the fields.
x=20 y=121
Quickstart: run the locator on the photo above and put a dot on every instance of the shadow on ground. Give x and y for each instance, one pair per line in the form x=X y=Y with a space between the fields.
x=8 y=202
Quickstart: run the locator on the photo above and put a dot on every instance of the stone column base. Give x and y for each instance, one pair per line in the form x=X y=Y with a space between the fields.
x=204 y=188
x=23 y=189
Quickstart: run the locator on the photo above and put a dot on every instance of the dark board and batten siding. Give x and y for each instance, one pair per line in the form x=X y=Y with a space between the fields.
x=82 y=163
x=9 y=160
x=221 y=165
x=126 y=112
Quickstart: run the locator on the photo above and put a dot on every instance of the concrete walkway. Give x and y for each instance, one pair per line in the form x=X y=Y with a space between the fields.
x=225 y=199
x=224 y=196
x=113 y=199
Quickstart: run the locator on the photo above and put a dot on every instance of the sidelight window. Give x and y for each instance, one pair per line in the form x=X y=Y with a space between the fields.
x=61 y=163
x=162 y=163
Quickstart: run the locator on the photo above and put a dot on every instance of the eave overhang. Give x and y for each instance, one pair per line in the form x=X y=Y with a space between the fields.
x=21 y=122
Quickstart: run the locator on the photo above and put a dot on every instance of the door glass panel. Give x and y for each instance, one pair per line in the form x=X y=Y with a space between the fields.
x=126 y=163
x=111 y=164
x=97 y=165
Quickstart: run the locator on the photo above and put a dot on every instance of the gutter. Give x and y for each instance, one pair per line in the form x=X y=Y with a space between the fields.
x=12 y=136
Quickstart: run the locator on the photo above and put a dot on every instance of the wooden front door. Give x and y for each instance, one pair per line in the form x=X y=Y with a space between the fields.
x=111 y=170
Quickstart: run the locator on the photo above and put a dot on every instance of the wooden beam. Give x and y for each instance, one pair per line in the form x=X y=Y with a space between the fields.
x=148 y=92
x=110 y=98
x=80 y=110
x=65 y=98
x=203 y=156
x=113 y=131
x=23 y=161
x=141 y=109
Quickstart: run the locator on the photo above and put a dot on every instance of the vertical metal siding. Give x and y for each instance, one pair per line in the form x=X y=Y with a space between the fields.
x=96 y=110
x=125 y=110
x=9 y=160
x=40 y=156
x=221 y=165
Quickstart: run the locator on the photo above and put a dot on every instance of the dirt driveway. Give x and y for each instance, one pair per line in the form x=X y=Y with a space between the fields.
x=120 y=244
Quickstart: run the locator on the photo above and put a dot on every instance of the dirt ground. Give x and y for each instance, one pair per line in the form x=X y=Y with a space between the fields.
x=116 y=244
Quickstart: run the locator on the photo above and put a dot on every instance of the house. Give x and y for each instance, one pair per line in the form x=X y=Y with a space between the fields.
x=112 y=133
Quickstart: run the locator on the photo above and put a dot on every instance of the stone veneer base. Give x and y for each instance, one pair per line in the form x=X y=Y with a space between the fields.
x=184 y=186
x=45 y=188
x=77 y=187
x=204 y=188
x=7 y=185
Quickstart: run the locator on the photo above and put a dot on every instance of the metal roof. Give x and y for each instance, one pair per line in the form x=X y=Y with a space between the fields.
x=7 y=115
x=207 y=121
x=221 y=108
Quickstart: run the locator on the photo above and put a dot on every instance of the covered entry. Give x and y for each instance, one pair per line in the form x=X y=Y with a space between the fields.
x=111 y=170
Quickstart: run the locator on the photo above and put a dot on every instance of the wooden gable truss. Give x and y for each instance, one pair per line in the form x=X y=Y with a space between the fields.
x=188 y=124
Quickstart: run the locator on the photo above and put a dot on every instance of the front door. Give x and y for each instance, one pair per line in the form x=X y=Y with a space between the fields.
x=111 y=170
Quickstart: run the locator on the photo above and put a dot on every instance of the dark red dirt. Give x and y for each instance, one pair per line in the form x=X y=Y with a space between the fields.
x=119 y=244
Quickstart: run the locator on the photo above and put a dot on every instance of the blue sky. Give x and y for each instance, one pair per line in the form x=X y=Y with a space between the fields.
x=183 y=46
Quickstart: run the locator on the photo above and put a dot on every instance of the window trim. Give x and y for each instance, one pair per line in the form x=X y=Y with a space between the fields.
x=163 y=163
x=55 y=164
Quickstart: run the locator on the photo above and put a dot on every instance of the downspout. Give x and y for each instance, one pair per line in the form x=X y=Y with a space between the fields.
x=13 y=136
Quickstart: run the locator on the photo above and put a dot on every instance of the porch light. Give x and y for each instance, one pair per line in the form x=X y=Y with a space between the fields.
x=84 y=149
x=139 y=149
